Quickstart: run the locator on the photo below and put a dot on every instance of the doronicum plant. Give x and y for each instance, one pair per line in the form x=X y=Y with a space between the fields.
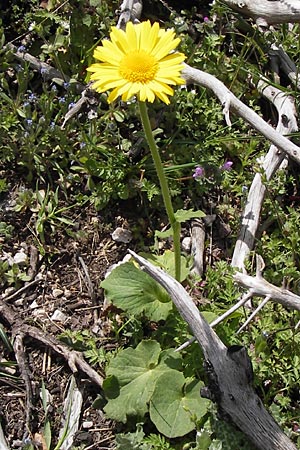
x=141 y=61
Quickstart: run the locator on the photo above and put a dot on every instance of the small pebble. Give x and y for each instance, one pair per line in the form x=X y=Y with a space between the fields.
x=57 y=292
x=87 y=424
x=122 y=235
x=20 y=258
x=186 y=244
x=58 y=316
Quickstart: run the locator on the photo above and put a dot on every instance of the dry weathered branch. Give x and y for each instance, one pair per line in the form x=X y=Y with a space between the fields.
x=259 y=287
x=47 y=72
x=229 y=371
x=268 y=11
x=129 y=10
x=231 y=103
x=287 y=123
x=74 y=359
x=280 y=61
x=198 y=240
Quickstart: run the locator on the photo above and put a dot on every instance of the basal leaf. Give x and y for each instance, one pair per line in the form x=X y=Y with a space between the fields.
x=166 y=262
x=137 y=371
x=182 y=215
x=174 y=403
x=135 y=292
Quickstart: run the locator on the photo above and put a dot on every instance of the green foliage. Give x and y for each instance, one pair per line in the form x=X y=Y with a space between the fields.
x=148 y=379
x=87 y=343
x=175 y=404
x=135 y=292
x=100 y=157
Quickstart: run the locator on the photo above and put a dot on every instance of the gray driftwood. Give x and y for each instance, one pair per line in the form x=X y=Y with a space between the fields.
x=287 y=123
x=267 y=12
x=229 y=371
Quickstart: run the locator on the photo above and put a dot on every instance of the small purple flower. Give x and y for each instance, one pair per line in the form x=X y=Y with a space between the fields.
x=29 y=122
x=205 y=19
x=44 y=71
x=198 y=172
x=227 y=166
x=82 y=144
x=21 y=49
x=71 y=105
x=54 y=88
x=25 y=104
x=62 y=100
x=52 y=125
x=66 y=85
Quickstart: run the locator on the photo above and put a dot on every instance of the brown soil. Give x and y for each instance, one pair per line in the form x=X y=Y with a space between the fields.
x=69 y=268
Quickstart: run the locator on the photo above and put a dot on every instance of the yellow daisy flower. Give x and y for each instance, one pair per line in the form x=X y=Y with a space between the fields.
x=138 y=62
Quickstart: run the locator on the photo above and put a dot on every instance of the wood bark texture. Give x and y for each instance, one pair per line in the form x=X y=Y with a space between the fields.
x=271 y=12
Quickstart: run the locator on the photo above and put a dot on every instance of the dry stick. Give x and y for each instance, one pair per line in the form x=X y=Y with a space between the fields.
x=269 y=11
x=259 y=287
x=229 y=370
x=252 y=315
x=74 y=359
x=287 y=123
x=198 y=245
x=220 y=319
x=130 y=10
x=47 y=72
x=231 y=103
x=25 y=373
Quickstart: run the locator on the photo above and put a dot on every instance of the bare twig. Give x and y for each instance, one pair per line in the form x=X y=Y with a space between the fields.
x=259 y=287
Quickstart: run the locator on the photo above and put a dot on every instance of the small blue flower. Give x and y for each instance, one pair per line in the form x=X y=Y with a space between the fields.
x=44 y=71
x=71 y=105
x=82 y=144
x=244 y=189
x=25 y=104
x=21 y=49
x=52 y=125
x=29 y=122
x=54 y=88
x=62 y=100
x=32 y=97
x=66 y=85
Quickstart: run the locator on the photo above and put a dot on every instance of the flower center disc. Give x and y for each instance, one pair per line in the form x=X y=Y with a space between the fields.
x=138 y=67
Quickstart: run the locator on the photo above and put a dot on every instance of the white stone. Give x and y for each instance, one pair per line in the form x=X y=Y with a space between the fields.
x=57 y=292
x=87 y=424
x=58 y=316
x=122 y=235
x=20 y=258
x=186 y=244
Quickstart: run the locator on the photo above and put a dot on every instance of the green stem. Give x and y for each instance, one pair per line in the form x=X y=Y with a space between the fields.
x=163 y=185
